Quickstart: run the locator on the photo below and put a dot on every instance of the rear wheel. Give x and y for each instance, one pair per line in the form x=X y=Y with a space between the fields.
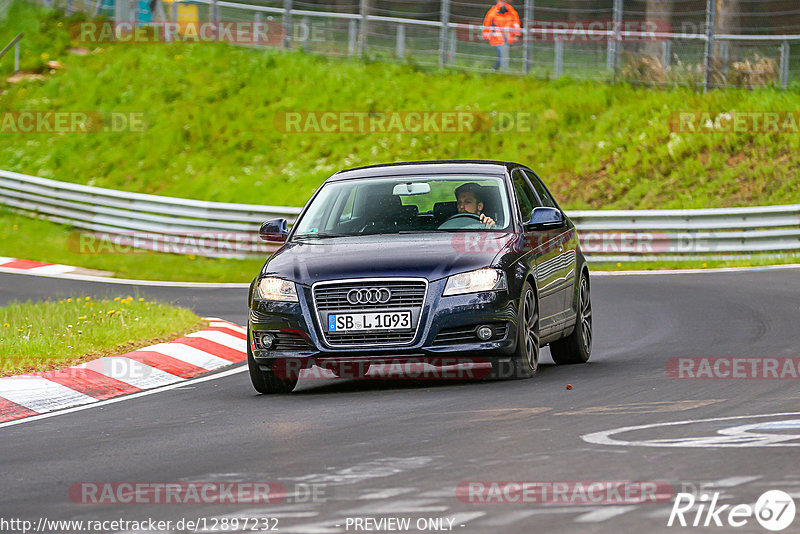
x=525 y=360
x=577 y=347
x=265 y=381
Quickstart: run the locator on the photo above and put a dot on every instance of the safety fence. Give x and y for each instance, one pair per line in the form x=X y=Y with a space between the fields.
x=703 y=43
x=129 y=221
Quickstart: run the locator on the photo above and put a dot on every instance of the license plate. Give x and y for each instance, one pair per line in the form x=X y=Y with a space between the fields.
x=348 y=322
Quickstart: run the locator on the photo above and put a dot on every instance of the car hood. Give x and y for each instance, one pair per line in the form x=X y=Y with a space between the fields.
x=431 y=256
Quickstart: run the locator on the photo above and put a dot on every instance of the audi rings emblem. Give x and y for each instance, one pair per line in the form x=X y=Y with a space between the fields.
x=369 y=295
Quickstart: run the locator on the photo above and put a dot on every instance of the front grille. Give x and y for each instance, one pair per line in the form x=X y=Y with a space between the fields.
x=370 y=338
x=405 y=294
x=466 y=334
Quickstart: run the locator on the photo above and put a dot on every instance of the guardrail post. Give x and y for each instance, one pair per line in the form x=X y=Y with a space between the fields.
x=527 y=36
x=352 y=37
x=559 y=57
x=16 y=57
x=68 y=8
x=724 y=54
x=214 y=14
x=443 y=31
x=401 y=41
x=257 y=27
x=615 y=41
x=711 y=21
x=666 y=53
x=287 y=24
x=451 y=54
x=362 y=34
x=785 y=64
x=305 y=32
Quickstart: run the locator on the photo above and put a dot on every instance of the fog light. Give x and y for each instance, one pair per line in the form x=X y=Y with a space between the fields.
x=484 y=333
x=267 y=340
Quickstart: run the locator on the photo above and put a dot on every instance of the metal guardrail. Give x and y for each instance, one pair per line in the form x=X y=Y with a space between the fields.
x=219 y=229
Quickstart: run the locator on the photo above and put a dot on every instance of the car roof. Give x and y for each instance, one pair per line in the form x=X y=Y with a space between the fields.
x=426 y=167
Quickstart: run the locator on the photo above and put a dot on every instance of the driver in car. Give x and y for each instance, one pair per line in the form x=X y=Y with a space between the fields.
x=469 y=198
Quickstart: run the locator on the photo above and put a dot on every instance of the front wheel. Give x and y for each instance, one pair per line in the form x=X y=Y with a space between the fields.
x=525 y=360
x=577 y=347
x=266 y=382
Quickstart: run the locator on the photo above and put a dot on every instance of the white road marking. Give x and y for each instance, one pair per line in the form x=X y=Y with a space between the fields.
x=407 y=506
x=508 y=518
x=696 y=271
x=732 y=482
x=39 y=394
x=387 y=493
x=604 y=513
x=132 y=396
x=129 y=282
x=604 y=437
x=52 y=269
x=461 y=518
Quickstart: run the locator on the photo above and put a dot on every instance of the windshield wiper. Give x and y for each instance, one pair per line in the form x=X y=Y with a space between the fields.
x=431 y=231
x=322 y=235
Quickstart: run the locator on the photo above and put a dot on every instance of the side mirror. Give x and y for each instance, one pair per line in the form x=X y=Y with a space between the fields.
x=274 y=230
x=545 y=218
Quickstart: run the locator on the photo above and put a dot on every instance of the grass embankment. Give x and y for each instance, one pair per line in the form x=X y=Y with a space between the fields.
x=210 y=111
x=53 y=334
x=210 y=108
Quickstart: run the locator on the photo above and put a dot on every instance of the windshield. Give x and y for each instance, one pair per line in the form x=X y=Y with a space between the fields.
x=407 y=204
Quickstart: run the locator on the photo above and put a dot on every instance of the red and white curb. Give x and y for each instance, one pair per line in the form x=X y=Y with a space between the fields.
x=38 y=267
x=221 y=344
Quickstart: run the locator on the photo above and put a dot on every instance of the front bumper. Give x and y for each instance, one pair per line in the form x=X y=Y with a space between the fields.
x=296 y=331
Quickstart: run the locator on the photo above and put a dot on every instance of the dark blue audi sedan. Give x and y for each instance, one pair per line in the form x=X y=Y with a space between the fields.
x=439 y=262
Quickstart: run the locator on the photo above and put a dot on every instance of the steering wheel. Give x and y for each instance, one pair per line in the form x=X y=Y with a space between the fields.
x=466 y=214
x=462 y=221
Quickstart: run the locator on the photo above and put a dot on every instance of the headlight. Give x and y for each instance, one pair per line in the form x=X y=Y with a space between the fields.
x=475 y=281
x=276 y=289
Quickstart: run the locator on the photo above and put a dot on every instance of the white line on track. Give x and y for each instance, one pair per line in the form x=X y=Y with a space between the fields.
x=126 y=281
x=182 y=383
x=695 y=271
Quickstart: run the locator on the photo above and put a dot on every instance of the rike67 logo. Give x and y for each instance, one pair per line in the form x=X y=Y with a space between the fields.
x=774 y=510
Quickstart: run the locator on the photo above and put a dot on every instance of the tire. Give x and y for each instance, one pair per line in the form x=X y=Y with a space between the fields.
x=525 y=360
x=266 y=382
x=577 y=347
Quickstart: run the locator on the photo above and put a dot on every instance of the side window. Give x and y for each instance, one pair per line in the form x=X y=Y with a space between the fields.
x=526 y=200
x=541 y=190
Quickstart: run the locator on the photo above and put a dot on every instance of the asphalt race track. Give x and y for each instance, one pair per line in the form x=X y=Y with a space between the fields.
x=380 y=448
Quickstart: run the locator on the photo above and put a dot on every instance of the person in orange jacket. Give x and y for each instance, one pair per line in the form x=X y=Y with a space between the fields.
x=501 y=15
